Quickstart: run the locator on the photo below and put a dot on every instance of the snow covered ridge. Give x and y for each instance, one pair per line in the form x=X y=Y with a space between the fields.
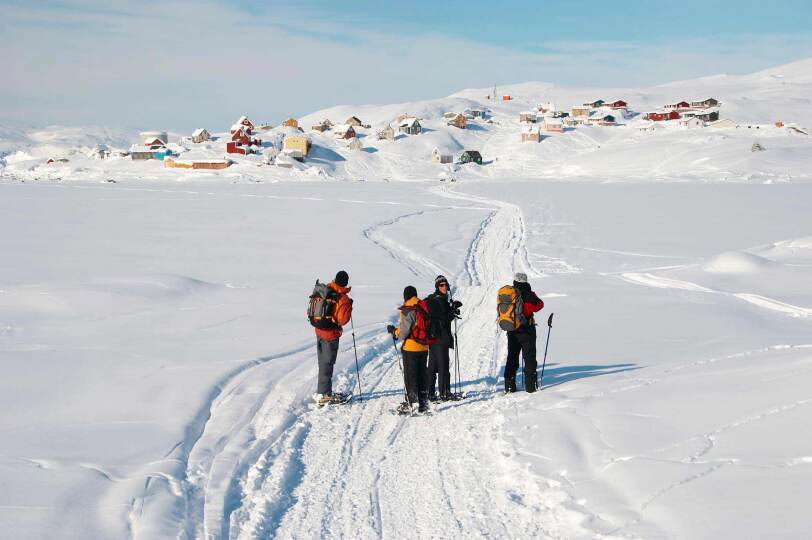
x=705 y=129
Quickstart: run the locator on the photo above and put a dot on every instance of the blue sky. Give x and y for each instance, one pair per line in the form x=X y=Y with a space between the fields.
x=184 y=63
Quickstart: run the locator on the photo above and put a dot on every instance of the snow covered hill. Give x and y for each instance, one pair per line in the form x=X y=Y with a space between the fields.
x=666 y=151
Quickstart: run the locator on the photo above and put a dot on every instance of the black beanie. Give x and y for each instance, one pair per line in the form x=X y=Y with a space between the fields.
x=409 y=292
x=342 y=278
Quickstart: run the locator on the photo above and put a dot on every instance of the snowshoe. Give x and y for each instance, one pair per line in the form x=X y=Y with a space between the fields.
x=406 y=409
x=336 y=398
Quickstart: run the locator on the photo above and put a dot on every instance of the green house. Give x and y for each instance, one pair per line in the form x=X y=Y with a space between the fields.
x=471 y=156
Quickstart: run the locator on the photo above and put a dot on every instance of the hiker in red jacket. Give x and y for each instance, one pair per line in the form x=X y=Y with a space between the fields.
x=327 y=339
x=523 y=340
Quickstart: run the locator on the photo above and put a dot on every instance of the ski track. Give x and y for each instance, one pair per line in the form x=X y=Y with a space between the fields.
x=651 y=280
x=262 y=462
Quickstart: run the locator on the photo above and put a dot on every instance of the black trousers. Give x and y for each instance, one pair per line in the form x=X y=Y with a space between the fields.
x=414 y=371
x=521 y=341
x=438 y=369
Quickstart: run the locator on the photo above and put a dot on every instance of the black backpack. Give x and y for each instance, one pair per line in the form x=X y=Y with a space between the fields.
x=321 y=308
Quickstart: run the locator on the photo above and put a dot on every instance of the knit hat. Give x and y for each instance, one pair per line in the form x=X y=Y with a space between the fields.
x=342 y=278
x=409 y=292
x=440 y=279
x=520 y=277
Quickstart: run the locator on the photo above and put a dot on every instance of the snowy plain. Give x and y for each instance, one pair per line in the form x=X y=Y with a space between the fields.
x=158 y=368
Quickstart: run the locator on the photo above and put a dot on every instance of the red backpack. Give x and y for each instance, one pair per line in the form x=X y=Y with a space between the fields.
x=422 y=323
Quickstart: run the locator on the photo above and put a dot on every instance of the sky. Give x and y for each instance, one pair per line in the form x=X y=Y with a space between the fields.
x=182 y=64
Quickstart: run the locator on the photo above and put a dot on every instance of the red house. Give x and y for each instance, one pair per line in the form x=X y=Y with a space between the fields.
x=243 y=123
x=506 y=98
x=242 y=143
x=679 y=106
x=619 y=104
x=661 y=116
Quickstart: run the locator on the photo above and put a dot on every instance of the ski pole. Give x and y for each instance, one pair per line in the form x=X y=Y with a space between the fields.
x=400 y=356
x=549 y=327
x=357 y=371
x=456 y=358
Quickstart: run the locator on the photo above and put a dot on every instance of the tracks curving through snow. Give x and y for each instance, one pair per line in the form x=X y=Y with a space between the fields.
x=267 y=464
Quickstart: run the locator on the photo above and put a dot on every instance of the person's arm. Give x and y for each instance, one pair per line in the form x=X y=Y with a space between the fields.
x=532 y=303
x=406 y=322
x=344 y=310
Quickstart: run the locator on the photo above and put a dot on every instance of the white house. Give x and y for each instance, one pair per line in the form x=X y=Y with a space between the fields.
x=691 y=123
x=200 y=135
x=439 y=157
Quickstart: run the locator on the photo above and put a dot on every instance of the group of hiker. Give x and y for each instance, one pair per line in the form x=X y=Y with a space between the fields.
x=425 y=332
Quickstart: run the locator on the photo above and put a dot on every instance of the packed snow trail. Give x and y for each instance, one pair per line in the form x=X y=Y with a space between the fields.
x=269 y=464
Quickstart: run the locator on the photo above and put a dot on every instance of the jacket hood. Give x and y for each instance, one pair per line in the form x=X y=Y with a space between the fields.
x=338 y=288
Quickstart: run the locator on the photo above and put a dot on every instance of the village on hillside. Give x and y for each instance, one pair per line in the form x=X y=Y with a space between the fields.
x=525 y=131
x=289 y=142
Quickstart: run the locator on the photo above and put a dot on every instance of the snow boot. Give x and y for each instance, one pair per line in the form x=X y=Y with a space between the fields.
x=510 y=384
x=423 y=408
x=530 y=382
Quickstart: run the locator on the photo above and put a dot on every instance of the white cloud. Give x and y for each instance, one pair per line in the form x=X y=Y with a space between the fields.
x=182 y=64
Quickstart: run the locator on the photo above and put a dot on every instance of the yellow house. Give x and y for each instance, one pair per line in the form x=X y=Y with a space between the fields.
x=297 y=146
x=291 y=122
x=581 y=110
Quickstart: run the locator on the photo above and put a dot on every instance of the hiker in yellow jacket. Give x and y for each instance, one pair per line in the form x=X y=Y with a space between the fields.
x=412 y=330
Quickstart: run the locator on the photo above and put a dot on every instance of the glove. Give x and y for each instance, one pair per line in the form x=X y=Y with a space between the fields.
x=456 y=304
x=391 y=329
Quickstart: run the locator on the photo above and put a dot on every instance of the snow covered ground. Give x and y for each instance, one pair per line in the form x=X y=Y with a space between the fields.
x=158 y=368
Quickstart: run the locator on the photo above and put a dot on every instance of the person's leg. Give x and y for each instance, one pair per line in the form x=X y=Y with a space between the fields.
x=431 y=370
x=327 y=354
x=528 y=343
x=512 y=364
x=421 y=360
x=443 y=373
x=410 y=374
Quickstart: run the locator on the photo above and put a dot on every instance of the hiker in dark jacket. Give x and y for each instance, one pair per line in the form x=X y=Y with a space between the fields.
x=523 y=340
x=414 y=355
x=442 y=311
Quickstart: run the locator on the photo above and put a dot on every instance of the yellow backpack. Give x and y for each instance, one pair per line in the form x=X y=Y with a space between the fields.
x=509 y=309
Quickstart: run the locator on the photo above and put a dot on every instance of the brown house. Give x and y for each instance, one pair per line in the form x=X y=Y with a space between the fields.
x=322 y=126
x=458 y=121
x=530 y=134
x=354 y=121
x=344 y=131
x=291 y=122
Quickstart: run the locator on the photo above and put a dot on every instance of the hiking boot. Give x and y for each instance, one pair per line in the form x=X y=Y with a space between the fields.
x=446 y=397
x=423 y=408
x=530 y=385
x=510 y=385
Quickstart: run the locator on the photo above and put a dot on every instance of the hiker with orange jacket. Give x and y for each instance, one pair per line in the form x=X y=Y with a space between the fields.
x=412 y=330
x=523 y=339
x=328 y=333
